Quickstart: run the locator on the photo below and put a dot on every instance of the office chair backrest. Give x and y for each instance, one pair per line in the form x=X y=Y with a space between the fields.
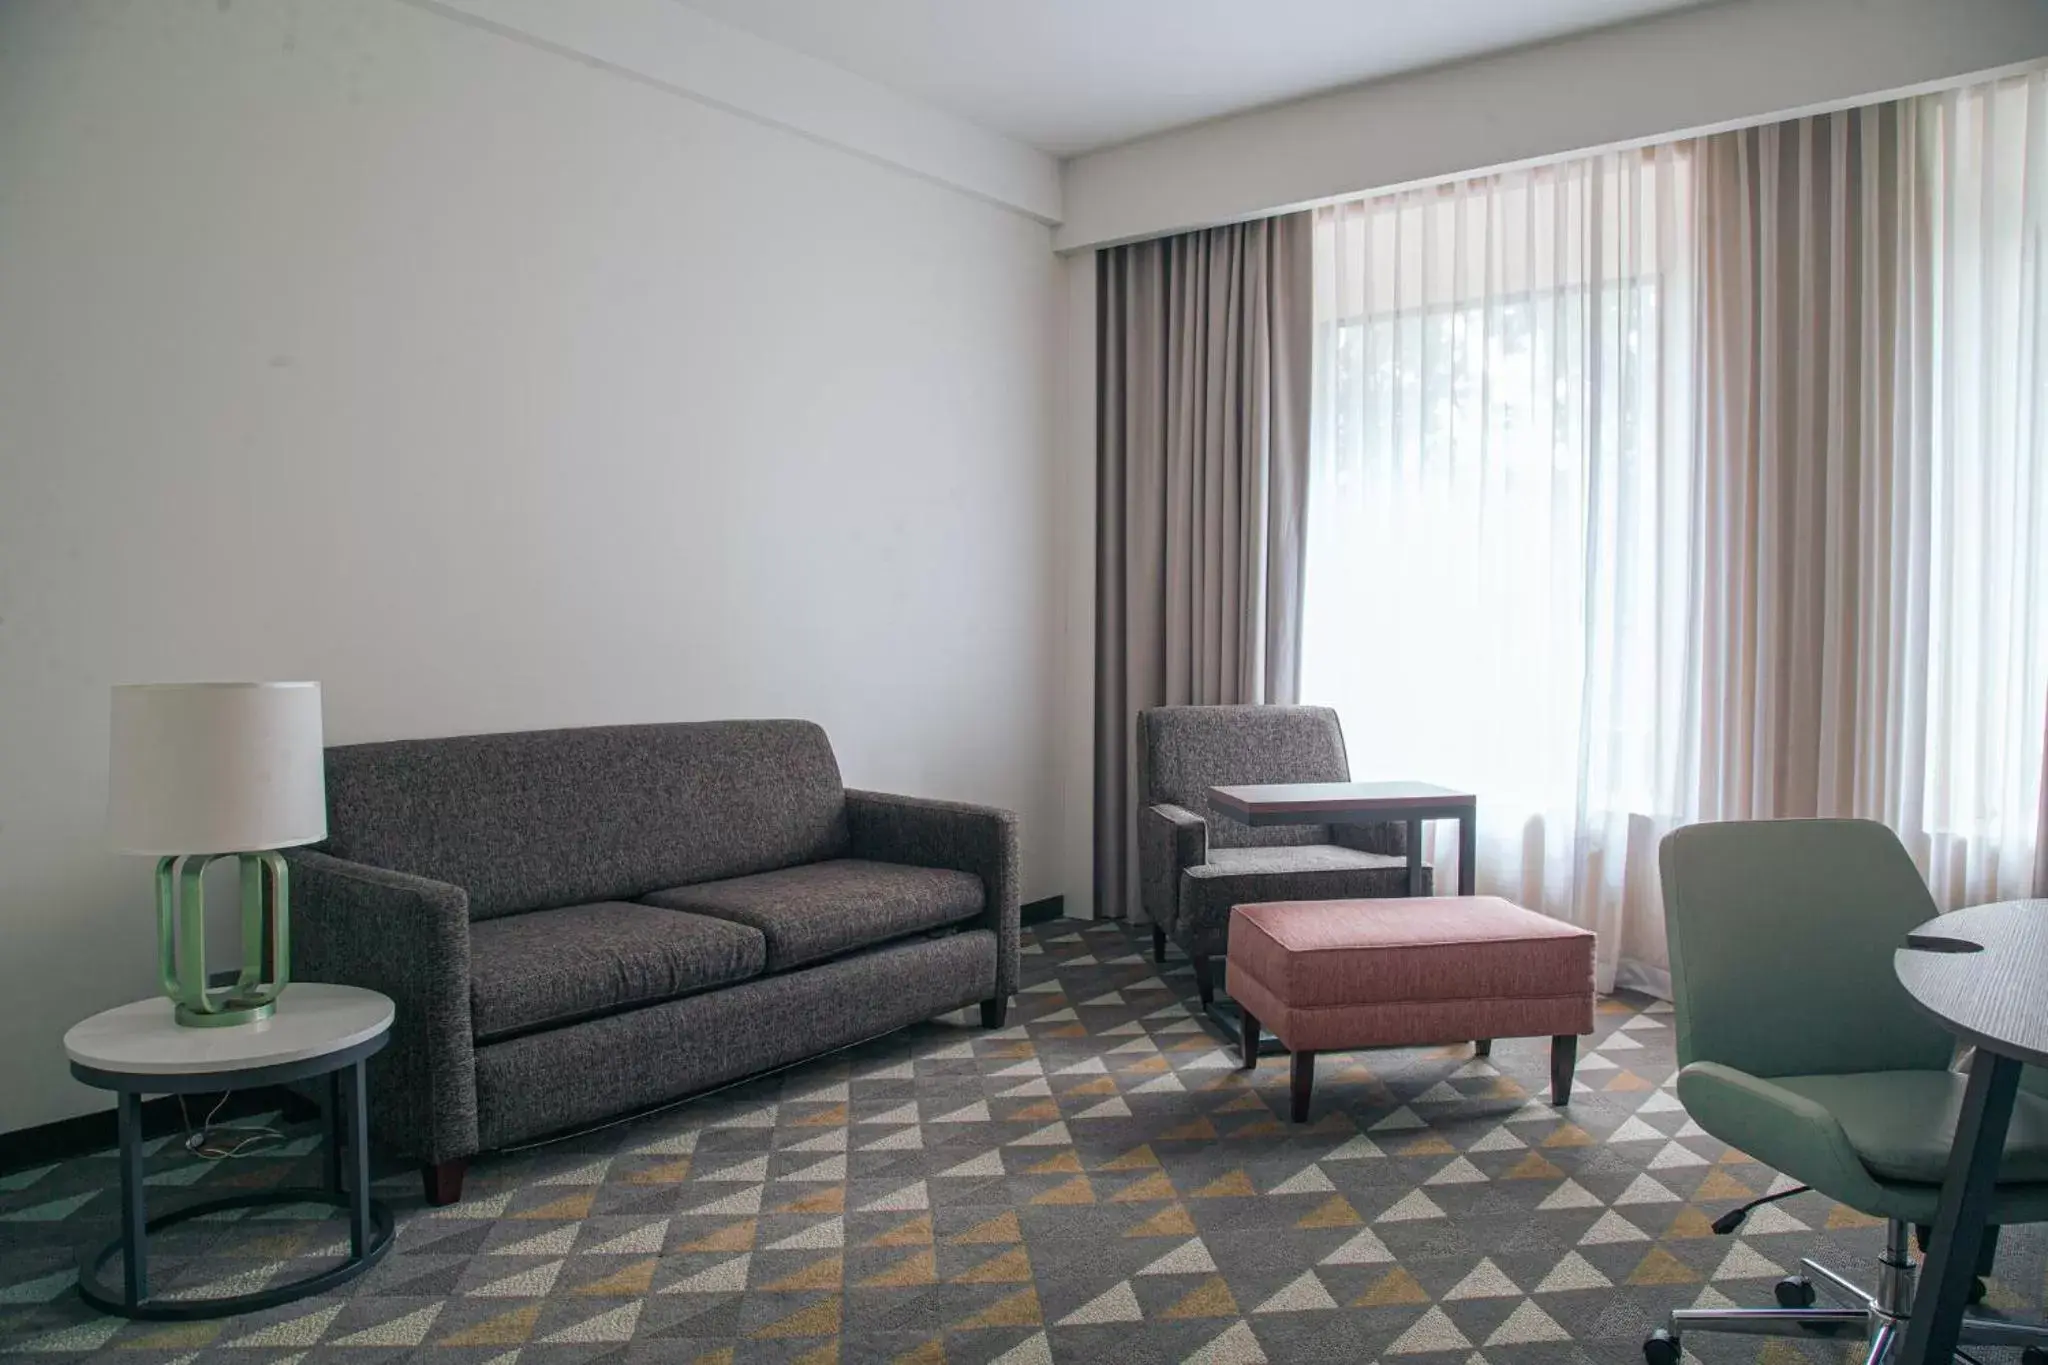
x=1782 y=934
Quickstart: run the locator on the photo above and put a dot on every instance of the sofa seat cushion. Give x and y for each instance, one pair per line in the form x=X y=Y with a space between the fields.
x=819 y=910
x=550 y=967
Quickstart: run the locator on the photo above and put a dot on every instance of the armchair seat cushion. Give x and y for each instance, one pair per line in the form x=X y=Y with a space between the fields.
x=820 y=910
x=1902 y=1123
x=545 y=968
x=1298 y=872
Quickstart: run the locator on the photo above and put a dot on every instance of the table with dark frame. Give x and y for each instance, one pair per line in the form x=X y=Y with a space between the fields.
x=1350 y=803
x=1980 y=974
x=318 y=1031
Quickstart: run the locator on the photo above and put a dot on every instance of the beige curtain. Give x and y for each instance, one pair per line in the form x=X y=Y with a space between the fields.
x=1202 y=345
x=1872 y=524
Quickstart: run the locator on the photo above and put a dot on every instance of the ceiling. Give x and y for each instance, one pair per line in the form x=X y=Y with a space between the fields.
x=1069 y=76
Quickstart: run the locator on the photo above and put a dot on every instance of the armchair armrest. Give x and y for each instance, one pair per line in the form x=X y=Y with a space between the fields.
x=1389 y=837
x=950 y=834
x=1170 y=839
x=406 y=936
x=1785 y=1131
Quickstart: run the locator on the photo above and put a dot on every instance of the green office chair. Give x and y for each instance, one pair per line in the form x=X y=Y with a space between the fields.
x=1798 y=1045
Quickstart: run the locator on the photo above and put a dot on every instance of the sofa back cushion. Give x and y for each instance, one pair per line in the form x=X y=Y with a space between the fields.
x=542 y=818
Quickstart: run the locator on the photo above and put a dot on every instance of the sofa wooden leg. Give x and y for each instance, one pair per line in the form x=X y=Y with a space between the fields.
x=1564 y=1060
x=1300 y=1084
x=1249 y=1029
x=1158 y=944
x=443 y=1180
x=994 y=1012
x=1205 y=981
x=1482 y=1047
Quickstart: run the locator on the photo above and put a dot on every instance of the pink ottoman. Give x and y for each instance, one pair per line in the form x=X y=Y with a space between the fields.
x=1336 y=976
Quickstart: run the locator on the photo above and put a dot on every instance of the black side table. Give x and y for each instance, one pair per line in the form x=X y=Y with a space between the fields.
x=138 y=1049
x=1980 y=973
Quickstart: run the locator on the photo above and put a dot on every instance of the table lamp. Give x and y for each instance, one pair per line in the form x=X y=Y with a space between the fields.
x=201 y=771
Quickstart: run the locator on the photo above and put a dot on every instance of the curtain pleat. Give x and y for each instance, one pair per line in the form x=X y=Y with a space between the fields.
x=1203 y=344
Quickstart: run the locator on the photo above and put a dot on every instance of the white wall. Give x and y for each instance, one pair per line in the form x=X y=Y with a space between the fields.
x=493 y=390
x=1688 y=71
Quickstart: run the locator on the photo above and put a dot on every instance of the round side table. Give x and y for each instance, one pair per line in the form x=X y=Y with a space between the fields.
x=138 y=1049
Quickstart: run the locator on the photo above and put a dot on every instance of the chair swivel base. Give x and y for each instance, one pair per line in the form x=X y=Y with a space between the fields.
x=1881 y=1316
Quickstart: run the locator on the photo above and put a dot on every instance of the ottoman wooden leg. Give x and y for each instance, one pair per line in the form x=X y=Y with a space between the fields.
x=1205 y=982
x=1482 y=1047
x=1564 y=1059
x=1249 y=1027
x=1158 y=944
x=1303 y=1081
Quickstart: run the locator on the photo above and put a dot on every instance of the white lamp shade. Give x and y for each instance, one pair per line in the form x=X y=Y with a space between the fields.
x=216 y=768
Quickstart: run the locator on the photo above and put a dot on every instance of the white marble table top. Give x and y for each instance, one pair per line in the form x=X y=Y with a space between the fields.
x=312 y=1020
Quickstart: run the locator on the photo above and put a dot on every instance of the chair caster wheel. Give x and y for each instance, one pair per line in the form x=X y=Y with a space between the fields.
x=1977 y=1293
x=1795 y=1291
x=1661 y=1348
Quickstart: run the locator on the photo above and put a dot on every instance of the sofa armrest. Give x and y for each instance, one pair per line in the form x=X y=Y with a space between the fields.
x=1389 y=837
x=950 y=834
x=1171 y=839
x=406 y=936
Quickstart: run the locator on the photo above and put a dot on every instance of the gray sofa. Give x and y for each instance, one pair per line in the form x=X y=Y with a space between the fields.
x=576 y=924
x=1195 y=864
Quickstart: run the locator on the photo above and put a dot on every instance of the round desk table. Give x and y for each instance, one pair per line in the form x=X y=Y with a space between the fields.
x=139 y=1049
x=1982 y=974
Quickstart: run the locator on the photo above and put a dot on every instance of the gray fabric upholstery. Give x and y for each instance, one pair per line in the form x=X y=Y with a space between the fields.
x=967 y=838
x=1185 y=750
x=1241 y=876
x=544 y=818
x=1171 y=839
x=546 y=1082
x=1194 y=862
x=409 y=938
x=821 y=910
x=552 y=967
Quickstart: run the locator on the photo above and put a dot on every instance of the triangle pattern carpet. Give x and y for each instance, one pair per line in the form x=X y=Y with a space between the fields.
x=1095 y=1182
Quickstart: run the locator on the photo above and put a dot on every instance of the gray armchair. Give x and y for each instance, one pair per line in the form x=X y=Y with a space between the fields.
x=1194 y=865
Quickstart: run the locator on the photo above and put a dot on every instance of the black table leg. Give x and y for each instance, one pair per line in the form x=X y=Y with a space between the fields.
x=134 y=1212
x=1414 y=857
x=1468 y=853
x=1951 y=1266
x=330 y=1128
x=358 y=1159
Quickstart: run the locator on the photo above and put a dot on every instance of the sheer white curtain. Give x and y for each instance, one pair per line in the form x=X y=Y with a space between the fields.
x=1500 y=484
x=1702 y=482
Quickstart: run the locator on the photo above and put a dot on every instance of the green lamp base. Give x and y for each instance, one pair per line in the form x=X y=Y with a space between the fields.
x=181 y=940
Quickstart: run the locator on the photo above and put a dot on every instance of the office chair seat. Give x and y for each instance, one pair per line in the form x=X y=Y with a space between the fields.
x=1903 y=1123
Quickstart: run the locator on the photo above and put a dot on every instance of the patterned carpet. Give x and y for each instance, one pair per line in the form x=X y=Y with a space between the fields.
x=1095 y=1182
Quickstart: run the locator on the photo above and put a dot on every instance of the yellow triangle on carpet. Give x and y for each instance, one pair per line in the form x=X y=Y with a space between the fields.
x=920 y=1267
x=1232 y=1186
x=506 y=1329
x=1661 y=1267
x=1842 y=1216
x=1002 y=1228
x=1735 y=1157
x=916 y=1232
x=1017 y=1310
x=1569 y=1135
x=661 y=1173
x=1334 y=1212
x=1430 y=1145
x=826 y=1274
x=828 y=1201
x=1721 y=1185
x=1075 y=1191
x=731 y=1237
x=1041 y=1112
x=834 y=1117
x=933 y=1352
x=1627 y=1080
x=1101 y=1085
x=184 y=1336
x=1153 y=1186
x=1012 y=1267
x=1534 y=1166
x=828 y=1354
x=1396 y=1286
x=1201 y=1130
x=722 y=1356
x=635 y=1279
x=1137 y=1159
x=1690 y=1222
x=1168 y=1222
x=1210 y=1299
x=1066 y=1163
x=1067 y=1031
x=570 y=1206
x=1243 y=1103
x=821 y=1319
x=1265 y=1127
